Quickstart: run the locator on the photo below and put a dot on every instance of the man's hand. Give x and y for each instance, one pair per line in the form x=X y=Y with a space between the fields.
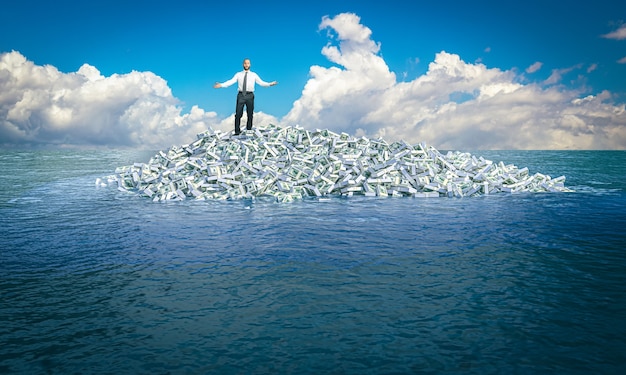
x=273 y=83
x=217 y=85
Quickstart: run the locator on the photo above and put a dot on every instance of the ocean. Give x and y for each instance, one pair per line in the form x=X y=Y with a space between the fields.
x=95 y=280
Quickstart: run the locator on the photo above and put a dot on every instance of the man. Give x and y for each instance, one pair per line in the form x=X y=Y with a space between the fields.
x=245 y=82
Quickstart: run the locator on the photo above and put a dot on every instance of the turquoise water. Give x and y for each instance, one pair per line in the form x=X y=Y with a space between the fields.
x=95 y=280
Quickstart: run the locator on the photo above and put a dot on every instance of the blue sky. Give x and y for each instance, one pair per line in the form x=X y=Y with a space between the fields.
x=192 y=44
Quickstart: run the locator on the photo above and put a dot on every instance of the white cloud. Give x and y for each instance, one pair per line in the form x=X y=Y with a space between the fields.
x=454 y=105
x=534 y=67
x=557 y=74
x=618 y=34
x=336 y=98
x=622 y=60
x=41 y=105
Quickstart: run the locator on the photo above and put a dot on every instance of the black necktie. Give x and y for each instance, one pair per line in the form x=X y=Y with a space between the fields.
x=245 y=81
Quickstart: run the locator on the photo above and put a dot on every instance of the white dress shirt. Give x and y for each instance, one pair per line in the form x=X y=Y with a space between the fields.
x=252 y=79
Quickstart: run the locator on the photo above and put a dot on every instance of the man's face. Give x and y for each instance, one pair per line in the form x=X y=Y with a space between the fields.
x=246 y=64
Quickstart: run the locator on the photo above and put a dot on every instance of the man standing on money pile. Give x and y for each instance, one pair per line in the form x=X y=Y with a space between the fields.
x=245 y=82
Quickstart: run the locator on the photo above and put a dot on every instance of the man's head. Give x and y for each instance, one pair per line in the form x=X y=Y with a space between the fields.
x=246 y=64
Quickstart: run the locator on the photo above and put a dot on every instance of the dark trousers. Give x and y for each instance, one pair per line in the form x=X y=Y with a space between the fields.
x=246 y=99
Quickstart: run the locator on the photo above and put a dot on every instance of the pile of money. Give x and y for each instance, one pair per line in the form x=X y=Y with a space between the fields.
x=291 y=163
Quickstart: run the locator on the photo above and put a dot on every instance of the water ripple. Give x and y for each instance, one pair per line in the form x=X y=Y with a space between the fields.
x=99 y=281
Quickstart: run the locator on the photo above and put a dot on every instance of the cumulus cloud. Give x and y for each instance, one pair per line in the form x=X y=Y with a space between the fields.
x=337 y=98
x=41 y=105
x=619 y=34
x=454 y=105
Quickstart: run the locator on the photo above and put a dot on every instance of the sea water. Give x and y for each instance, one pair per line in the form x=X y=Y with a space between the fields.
x=96 y=280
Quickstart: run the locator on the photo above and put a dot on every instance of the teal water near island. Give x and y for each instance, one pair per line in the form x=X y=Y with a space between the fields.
x=96 y=280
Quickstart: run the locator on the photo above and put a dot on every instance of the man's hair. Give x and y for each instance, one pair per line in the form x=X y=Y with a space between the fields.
x=244 y=60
